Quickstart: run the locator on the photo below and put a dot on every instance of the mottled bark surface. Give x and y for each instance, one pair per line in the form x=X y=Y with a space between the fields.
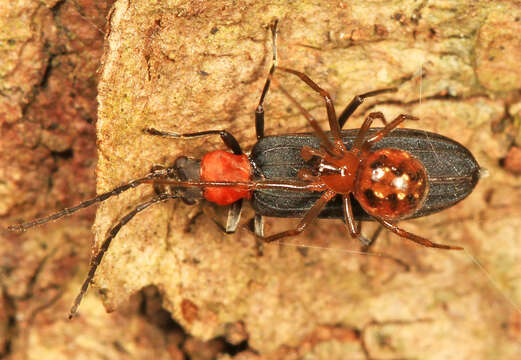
x=50 y=52
x=194 y=66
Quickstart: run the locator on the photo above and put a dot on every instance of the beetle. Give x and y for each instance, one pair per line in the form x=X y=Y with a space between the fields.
x=452 y=171
x=383 y=174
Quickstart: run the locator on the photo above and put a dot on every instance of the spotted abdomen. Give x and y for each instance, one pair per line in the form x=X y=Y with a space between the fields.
x=391 y=184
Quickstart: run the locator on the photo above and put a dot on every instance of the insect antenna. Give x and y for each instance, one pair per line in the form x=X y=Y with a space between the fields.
x=100 y=198
x=104 y=247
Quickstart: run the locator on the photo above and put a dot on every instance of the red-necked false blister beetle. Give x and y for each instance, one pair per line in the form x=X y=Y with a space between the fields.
x=383 y=174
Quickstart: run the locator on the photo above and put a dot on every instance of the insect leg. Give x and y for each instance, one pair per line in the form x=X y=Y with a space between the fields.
x=417 y=239
x=234 y=216
x=100 y=198
x=310 y=215
x=259 y=111
x=104 y=247
x=258 y=229
x=357 y=101
x=232 y=222
x=367 y=243
x=228 y=139
x=258 y=225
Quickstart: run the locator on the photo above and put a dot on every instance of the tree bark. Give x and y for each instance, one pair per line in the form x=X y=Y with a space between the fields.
x=194 y=66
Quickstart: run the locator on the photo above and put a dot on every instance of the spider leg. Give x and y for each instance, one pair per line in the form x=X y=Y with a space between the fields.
x=386 y=130
x=321 y=134
x=357 y=101
x=362 y=133
x=417 y=239
x=310 y=215
x=331 y=114
x=353 y=226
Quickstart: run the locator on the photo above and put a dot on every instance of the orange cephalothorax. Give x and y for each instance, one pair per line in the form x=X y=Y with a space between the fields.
x=223 y=166
x=339 y=174
x=391 y=184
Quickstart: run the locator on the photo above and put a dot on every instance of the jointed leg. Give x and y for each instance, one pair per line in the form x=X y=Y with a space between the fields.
x=353 y=226
x=331 y=114
x=104 y=247
x=232 y=220
x=228 y=139
x=102 y=197
x=258 y=225
x=234 y=216
x=386 y=130
x=258 y=230
x=312 y=121
x=367 y=243
x=308 y=152
x=417 y=239
x=362 y=133
x=308 y=175
x=357 y=101
x=259 y=111
x=310 y=215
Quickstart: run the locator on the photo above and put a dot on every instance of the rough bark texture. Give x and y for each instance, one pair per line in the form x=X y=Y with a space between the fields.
x=187 y=66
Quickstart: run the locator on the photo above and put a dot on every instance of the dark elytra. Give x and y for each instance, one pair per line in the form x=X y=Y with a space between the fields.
x=452 y=170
